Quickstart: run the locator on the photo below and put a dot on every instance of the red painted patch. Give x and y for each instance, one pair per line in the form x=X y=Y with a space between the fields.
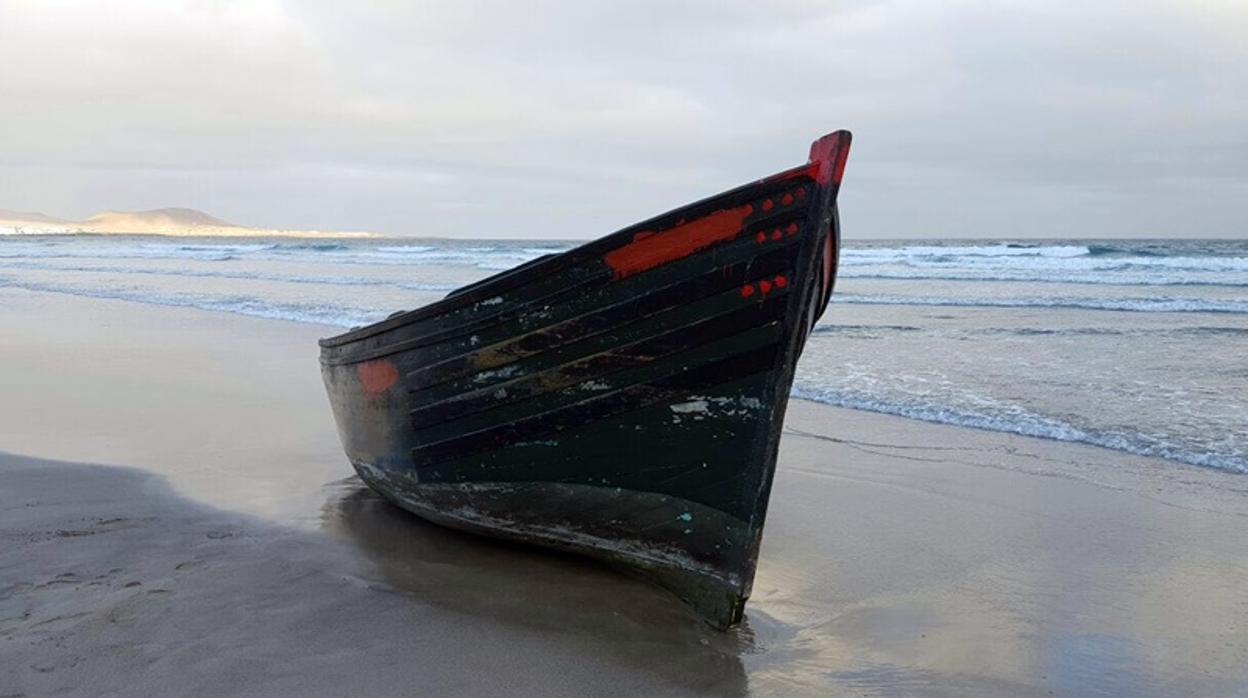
x=377 y=376
x=800 y=193
x=765 y=286
x=807 y=170
x=842 y=156
x=828 y=154
x=747 y=290
x=781 y=281
x=792 y=229
x=761 y=237
x=786 y=199
x=650 y=249
x=776 y=234
x=767 y=205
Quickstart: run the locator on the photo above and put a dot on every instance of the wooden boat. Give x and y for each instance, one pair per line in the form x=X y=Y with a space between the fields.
x=622 y=400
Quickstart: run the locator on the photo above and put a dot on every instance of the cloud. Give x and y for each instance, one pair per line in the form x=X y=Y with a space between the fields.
x=571 y=119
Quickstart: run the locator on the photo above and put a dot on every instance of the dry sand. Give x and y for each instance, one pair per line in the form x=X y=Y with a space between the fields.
x=220 y=546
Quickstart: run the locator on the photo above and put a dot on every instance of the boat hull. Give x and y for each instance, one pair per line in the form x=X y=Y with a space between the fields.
x=623 y=400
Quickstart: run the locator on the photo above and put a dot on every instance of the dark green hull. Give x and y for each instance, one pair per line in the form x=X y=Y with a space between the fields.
x=622 y=400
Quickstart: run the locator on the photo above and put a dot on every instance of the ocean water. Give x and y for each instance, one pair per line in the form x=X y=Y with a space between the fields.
x=1134 y=345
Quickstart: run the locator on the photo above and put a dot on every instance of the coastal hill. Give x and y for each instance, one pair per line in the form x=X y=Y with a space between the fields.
x=161 y=218
x=30 y=218
x=161 y=221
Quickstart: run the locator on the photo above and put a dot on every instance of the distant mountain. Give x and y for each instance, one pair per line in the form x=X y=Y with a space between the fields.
x=154 y=220
x=31 y=217
x=161 y=221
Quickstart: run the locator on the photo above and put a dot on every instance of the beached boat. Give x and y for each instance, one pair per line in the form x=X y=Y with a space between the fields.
x=623 y=399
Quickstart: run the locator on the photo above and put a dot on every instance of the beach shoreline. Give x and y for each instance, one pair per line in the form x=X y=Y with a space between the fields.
x=899 y=556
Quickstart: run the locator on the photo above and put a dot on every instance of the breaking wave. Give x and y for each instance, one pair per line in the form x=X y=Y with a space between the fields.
x=329 y=280
x=1136 y=305
x=1019 y=421
x=1217 y=263
x=316 y=313
x=492 y=256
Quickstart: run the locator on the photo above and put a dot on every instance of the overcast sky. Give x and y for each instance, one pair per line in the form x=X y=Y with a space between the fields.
x=571 y=119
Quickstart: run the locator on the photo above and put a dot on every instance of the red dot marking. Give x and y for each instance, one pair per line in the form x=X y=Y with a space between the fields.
x=762 y=237
x=767 y=204
x=800 y=193
x=747 y=290
x=781 y=281
x=792 y=229
x=787 y=199
x=765 y=285
x=776 y=234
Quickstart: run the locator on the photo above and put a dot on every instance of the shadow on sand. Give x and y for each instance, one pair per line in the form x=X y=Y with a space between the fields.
x=382 y=600
x=538 y=589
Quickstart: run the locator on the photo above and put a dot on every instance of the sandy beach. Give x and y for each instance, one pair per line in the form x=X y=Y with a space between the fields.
x=177 y=518
x=900 y=348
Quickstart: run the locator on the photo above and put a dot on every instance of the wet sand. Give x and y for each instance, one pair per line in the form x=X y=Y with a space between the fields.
x=176 y=518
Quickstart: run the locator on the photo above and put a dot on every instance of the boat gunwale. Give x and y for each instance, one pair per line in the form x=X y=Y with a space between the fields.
x=416 y=376
x=580 y=287
x=485 y=288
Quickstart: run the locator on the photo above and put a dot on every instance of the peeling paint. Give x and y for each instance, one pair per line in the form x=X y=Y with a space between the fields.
x=689 y=407
x=504 y=372
x=701 y=405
